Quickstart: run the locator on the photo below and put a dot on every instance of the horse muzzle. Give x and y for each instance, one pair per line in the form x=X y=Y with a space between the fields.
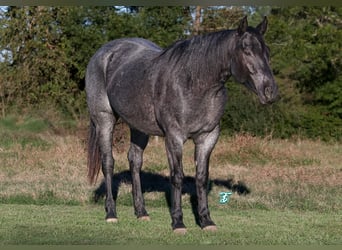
x=267 y=91
x=269 y=94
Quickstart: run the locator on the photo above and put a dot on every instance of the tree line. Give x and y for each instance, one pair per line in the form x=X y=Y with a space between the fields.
x=44 y=52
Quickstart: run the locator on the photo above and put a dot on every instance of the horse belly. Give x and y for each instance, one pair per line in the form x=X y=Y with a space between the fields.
x=134 y=105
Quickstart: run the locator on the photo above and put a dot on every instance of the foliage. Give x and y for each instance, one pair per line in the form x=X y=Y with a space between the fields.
x=35 y=69
x=44 y=52
x=215 y=19
x=244 y=114
x=162 y=25
x=306 y=44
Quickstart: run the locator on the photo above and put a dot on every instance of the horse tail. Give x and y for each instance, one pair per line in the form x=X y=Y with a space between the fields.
x=93 y=154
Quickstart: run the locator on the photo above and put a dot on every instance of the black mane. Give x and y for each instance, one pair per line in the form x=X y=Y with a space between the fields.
x=204 y=57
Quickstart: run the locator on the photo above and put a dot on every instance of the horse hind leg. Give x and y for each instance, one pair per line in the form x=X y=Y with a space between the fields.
x=104 y=129
x=139 y=142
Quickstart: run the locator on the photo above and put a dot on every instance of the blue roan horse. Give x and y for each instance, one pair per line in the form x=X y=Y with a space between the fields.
x=177 y=93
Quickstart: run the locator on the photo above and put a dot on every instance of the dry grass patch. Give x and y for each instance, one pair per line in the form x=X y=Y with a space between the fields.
x=58 y=171
x=280 y=173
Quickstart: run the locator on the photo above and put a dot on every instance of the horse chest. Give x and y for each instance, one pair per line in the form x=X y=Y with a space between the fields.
x=192 y=112
x=208 y=111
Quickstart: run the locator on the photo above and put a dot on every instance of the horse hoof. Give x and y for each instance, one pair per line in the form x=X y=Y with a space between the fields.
x=180 y=231
x=211 y=228
x=144 y=218
x=112 y=220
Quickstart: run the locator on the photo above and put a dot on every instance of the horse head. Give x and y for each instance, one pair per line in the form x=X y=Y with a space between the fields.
x=250 y=61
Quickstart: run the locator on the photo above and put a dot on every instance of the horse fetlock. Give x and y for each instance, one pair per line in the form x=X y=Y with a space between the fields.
x=141 y=212
x=178 y=225
x=206 y=222
x=110 y=214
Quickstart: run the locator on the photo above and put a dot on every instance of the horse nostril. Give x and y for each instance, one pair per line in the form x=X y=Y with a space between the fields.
x=268 y=92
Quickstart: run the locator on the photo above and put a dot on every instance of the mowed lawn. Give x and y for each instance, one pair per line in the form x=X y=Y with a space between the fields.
x=285 y=192
x=65 y=225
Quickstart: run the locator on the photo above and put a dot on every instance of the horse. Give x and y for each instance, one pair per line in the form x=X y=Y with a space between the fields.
x=177 y=93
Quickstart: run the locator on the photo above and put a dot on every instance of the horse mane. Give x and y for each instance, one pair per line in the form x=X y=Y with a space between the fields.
x=203 y=57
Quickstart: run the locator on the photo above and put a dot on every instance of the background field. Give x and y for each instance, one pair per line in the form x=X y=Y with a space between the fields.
x=284 y=191
x=283 y=162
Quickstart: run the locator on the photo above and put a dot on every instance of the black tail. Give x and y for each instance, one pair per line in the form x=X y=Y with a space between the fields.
x=93 y=154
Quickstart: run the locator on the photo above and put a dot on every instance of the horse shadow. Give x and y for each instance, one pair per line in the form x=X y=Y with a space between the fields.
x=153 y=182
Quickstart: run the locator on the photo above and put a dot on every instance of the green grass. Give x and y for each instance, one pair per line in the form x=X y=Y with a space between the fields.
x=60 y=224
x=23 y=131
x=25 y=124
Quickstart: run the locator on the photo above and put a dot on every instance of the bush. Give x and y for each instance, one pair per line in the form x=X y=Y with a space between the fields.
x=245 y=114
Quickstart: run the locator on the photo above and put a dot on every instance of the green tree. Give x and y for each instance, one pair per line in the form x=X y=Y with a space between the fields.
x=306 y=49
x=220 y=18
x=45 y=50
x=162 y=25
x=34 y=66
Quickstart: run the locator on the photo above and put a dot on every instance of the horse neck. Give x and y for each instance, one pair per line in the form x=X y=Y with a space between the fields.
x=214 y=58
x=200 y=62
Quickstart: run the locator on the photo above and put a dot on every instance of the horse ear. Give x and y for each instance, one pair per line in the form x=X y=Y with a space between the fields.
x=242 y=26
x=262 y=27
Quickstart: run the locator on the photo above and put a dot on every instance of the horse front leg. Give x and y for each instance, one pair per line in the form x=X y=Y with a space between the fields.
x=204 y=144
x=174 y=148
x=139 y=142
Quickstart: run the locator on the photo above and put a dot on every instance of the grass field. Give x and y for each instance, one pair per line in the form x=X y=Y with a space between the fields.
x=61 y=224
x=285 y=192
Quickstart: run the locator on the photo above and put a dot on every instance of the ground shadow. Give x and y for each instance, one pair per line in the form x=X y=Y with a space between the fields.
x=152 y=182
